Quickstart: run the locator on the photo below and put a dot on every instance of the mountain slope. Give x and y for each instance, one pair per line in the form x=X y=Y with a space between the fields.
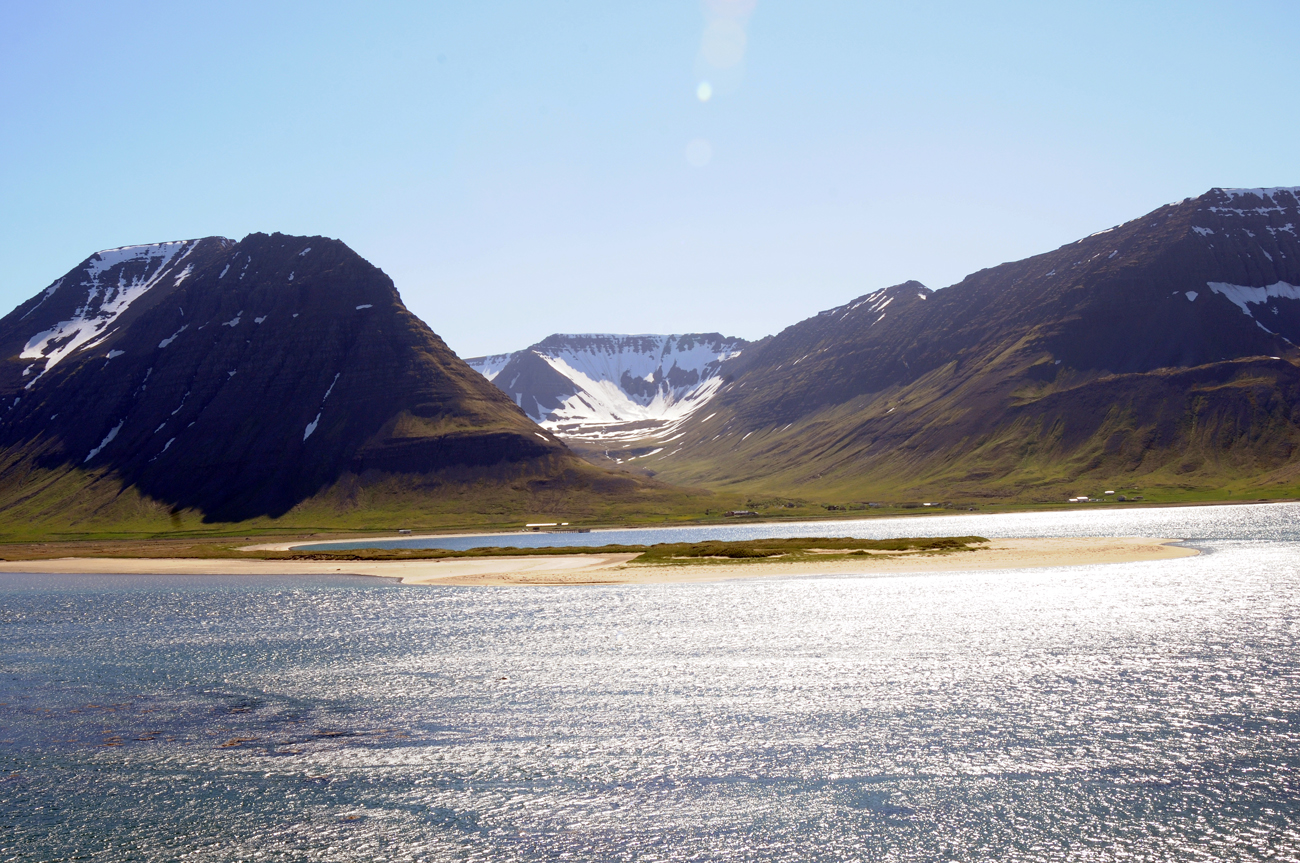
x=603 y=388
x=242 y=380
x=1142 y=351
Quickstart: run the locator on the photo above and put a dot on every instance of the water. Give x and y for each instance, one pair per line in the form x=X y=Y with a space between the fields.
x=1139 y=712
x=1264 y=521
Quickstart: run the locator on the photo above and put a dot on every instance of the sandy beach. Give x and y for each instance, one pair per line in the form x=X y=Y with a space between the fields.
x=580 y=569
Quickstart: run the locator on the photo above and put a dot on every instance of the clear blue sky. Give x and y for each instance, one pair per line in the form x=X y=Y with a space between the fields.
x=522 y=168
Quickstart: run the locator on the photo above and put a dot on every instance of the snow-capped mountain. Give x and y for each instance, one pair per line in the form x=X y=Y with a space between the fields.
x=89 y=312
x=598 y=387
x=238 y=379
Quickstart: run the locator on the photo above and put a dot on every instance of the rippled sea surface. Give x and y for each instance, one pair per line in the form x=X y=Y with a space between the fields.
x=1121 y=712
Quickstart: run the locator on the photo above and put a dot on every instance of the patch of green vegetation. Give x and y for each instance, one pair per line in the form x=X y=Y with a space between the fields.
x=1221 y=433
x=798 y=548
x=670 y=552
x=78 y=505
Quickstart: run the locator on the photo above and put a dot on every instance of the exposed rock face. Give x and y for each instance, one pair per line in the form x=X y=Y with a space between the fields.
x=238 y=378
x=607 y=387
x=1141 y=349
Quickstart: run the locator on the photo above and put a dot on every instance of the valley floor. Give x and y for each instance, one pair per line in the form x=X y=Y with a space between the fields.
x=592 y=569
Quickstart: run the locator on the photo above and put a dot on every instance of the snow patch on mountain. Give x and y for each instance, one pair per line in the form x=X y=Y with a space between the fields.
x=167 y=341
x=1243 y=297
x=311 y=426
x=490 y=366
x=1273 y=192
x=106 y=298
x=605 y=387
x=1283 y=199
x=601 y=410
x=875 y=302
x=108 y=438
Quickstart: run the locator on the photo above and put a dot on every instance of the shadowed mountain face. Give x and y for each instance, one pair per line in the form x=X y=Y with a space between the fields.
x=240 y=378
x=1163 y=347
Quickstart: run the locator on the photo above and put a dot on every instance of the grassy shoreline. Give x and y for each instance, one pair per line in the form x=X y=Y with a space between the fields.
x=508 y=568
x=24 y=544
x=789 y=548
x=796 y=548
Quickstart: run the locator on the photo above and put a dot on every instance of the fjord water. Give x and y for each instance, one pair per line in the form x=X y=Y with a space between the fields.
x=1138 y=711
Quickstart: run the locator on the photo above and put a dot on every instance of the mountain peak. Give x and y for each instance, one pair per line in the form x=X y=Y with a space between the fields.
x=878 y=299
x=1165 y=343
x=605 y=386
x=239 y=379
x=1286 y=194
x=83 y=308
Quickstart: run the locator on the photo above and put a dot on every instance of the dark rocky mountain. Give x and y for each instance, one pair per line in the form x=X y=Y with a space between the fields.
x=601 y=388
x=1161 y=349
x=283 y=375
x=239 y=379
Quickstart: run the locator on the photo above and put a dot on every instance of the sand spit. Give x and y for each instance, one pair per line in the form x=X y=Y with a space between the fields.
x=579 y=569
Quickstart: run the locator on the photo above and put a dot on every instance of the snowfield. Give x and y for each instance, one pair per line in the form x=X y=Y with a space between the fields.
x=106 y=298
x=613 y=387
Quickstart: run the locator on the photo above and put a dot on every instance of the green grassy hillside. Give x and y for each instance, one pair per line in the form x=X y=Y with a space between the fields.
x=1225 y=431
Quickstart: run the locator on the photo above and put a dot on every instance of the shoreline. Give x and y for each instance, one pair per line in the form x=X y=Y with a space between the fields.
x=289 y=545
x=597 y=569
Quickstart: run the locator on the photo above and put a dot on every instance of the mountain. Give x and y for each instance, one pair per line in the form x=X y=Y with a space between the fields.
x=1160 y=352
x=252 y=379
x=280 y=381
x=599 y=389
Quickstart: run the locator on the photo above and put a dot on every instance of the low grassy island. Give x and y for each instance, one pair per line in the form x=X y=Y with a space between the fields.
x=595 y=565
x=791 y=549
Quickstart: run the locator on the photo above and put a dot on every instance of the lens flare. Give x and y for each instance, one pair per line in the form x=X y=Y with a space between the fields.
x=704 y=92
x=724 y=43
x=721 y=59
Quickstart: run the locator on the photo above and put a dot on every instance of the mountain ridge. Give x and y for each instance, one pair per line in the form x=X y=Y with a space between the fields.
x=978 y=388
x=596 y=387
x=280 y=379
x=244 y=380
